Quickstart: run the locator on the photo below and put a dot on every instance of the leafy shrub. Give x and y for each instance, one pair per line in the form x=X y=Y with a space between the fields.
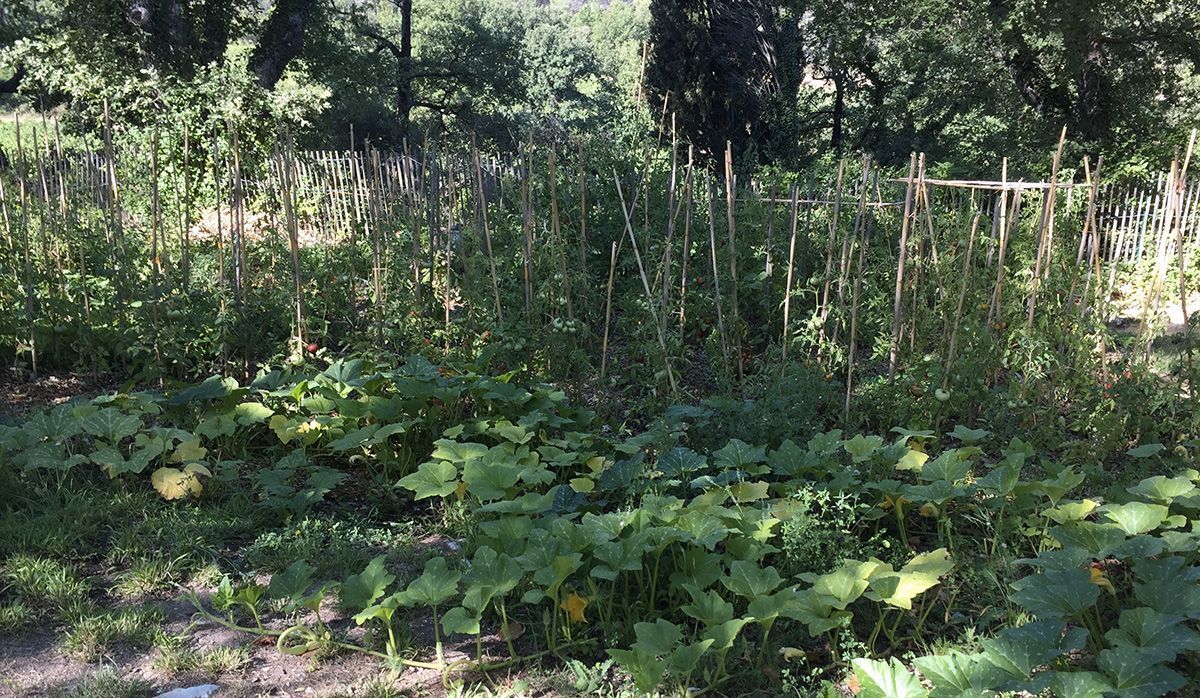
x=823 y=529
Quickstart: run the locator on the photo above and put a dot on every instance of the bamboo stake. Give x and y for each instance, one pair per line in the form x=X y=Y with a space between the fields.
x=686 y=253
x=186 y=261
x=1093 y=260
x=526 y=233
x=414 y=187
x=30 y=301
x=897 y=319
x=238 y=231
x=612 y=266
x=220 y=203
x=1089 y=231
x=733 y=252
x=67 y=215
x=449 y=288
x=712 y=246
x=1045 y=231
x=1151 y=295
x=556 y=233
x=582 y=215
x=860 y=238
x=374 y=234
x=487 y=238
x=993 y=305
x=155 y=261
x=962 y=296
x=1182 y=252
x=791 y=265
x=155 y=210
x=289 y=211
x=844 y=260
x=823 y=305
x=671 y=219
x=662 y=341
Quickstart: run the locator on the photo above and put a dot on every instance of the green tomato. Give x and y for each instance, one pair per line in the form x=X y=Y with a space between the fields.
x=941 y=395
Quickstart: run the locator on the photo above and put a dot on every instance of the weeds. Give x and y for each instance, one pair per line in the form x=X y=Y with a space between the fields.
x=44 y=583
x=173 y=659
x=95 y=634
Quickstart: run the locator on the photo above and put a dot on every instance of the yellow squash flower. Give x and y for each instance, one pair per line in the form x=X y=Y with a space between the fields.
x=574 y=605
x=1100 y=579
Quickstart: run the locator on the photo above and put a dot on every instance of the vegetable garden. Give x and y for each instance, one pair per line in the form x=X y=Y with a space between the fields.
x=571 y=420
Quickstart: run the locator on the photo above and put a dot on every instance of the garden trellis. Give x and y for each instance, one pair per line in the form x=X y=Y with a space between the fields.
x=862 y=269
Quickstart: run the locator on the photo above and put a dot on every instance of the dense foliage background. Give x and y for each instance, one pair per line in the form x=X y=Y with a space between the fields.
x=787 y=82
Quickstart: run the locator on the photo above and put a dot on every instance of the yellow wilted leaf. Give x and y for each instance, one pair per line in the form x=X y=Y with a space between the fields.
x=595 y=464
x=790 y=653
x=173 y=483
x=582 y=484
x=188 y=451
x=197 y=469
x=574 y=605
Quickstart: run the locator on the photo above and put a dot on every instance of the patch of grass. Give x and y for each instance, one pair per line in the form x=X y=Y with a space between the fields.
x=332 y=545
x=207 y=575
x=43 y=583
x=106 y=683
x=148 y=576
x=14 y=615
x=194 y=534
x=70 y=522
x=174 y=658
x=91 y=636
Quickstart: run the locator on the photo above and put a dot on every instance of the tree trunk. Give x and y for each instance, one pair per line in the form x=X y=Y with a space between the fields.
x=282 y=40
x=839 y=109
x=1089 y=83
x=9 y=86
x=404 y=68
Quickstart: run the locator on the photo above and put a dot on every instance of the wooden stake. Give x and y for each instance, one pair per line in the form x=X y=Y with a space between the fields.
x=897 y=320
x=962 y=296
x=662 y=341
x=487 y=237
x=733 y=252
x=791 y=265
x=1045 y=229
x=612 y=267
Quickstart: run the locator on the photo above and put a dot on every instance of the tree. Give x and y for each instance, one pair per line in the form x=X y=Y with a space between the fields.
x=90 y=49
x=1096 y=65
x=729 y=71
